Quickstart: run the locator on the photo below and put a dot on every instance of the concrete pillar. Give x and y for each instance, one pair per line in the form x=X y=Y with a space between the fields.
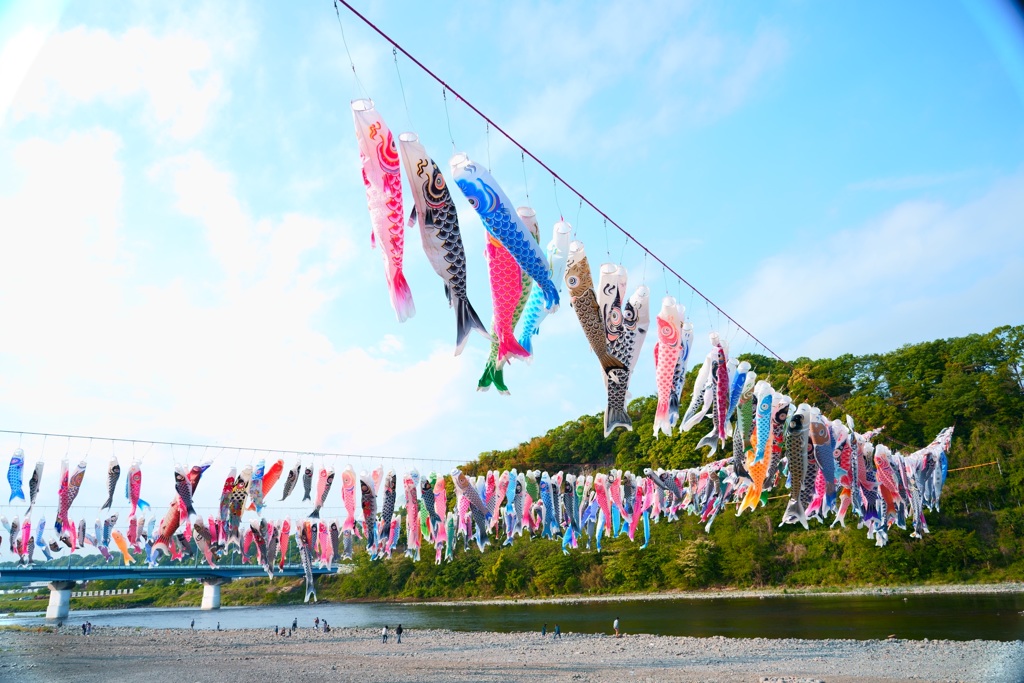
x=211 y=592
x=60 y=599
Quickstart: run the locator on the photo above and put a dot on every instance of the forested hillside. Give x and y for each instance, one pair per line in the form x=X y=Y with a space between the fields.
x=974 y=382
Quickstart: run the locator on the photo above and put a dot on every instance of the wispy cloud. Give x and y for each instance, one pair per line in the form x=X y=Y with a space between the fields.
x=905 y=273
x=699 y=76
x=177 y=72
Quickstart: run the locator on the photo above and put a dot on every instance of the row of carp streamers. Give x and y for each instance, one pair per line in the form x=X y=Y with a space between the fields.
x=831 y=468
x=767 y=430
x=524 y=280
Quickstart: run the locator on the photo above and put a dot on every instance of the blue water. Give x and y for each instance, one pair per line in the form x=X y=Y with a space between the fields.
x=954 y=617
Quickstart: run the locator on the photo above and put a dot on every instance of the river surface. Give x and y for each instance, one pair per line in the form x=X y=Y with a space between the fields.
x=953 y=617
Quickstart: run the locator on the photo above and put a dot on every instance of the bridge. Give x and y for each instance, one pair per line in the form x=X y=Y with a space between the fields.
x=62 y=580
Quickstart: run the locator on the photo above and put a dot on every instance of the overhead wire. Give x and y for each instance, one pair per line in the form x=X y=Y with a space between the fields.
x=584 y=199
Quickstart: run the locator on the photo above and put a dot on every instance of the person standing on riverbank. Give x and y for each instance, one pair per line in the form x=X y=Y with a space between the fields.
x=543 y=630
x=615 y=625
x=384 y=634
x=558 y=632
x=398 y=632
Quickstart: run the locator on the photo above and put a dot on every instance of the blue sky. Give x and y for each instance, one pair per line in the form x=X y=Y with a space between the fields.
x=185 y=245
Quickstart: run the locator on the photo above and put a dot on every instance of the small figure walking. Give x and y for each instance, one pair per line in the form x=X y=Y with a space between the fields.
x=193 y=627
x=295 y=623
x=218 y=625
x=384 y=634
x=544 y=630
x=398 y=632
x=615 y=625
x=316 y=623
x=558 y=632
x=275 y=629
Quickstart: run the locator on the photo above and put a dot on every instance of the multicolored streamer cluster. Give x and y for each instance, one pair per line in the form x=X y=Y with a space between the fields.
x=831 y=469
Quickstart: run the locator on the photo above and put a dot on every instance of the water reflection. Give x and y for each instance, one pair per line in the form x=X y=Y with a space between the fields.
x=954 y=617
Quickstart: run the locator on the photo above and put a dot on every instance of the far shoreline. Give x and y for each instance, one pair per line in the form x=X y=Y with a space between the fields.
x=1007 y=587
x=739 y=593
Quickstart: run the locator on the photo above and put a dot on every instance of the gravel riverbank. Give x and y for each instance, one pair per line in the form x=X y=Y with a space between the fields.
x=248 y=656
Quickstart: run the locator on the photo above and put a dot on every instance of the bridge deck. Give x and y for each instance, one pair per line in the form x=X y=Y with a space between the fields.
x=30 y=574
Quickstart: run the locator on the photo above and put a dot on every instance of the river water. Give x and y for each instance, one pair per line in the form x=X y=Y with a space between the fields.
x=954 y=617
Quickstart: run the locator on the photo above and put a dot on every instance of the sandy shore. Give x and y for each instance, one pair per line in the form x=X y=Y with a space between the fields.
x=143 y=655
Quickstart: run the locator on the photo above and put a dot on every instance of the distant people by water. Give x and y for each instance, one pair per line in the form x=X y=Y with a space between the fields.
x=218 y=625
x=398 y=632
x=295 y=623
x=316 y=623
x=544 y=630
x=615 y=625
x=275 y=630
x=384 y=634
x=193 y=626
x=558 y=632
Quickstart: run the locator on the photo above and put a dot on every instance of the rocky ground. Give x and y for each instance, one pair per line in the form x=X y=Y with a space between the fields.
x=249 y=656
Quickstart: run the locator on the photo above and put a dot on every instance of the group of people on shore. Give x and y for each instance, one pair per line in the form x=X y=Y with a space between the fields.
x=384 y=634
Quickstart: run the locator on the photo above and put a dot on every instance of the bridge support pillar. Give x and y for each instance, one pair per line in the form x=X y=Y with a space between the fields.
x=211 y=592
x=60 y=599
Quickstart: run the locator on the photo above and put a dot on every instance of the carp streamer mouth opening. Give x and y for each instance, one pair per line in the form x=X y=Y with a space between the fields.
x=362 y=105
x=408 y=137
x=459 y=160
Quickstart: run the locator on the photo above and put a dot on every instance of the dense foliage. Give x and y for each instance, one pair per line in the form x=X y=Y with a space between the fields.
x=974 y=382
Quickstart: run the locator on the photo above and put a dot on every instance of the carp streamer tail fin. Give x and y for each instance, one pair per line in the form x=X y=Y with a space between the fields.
x=401 y=298
x=492 y=375
x=466 y=321
x=616 y=417
x=710 y=440
x=509 y=346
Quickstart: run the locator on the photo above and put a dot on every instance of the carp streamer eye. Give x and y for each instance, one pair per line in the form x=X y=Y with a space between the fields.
x=572 y=281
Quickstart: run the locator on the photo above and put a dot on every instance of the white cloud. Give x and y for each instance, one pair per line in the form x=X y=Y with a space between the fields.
x=668 y=67
x=176 y=74
x=766 y=52
x=922 y=270
x=60 y=243
x=236 y=356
